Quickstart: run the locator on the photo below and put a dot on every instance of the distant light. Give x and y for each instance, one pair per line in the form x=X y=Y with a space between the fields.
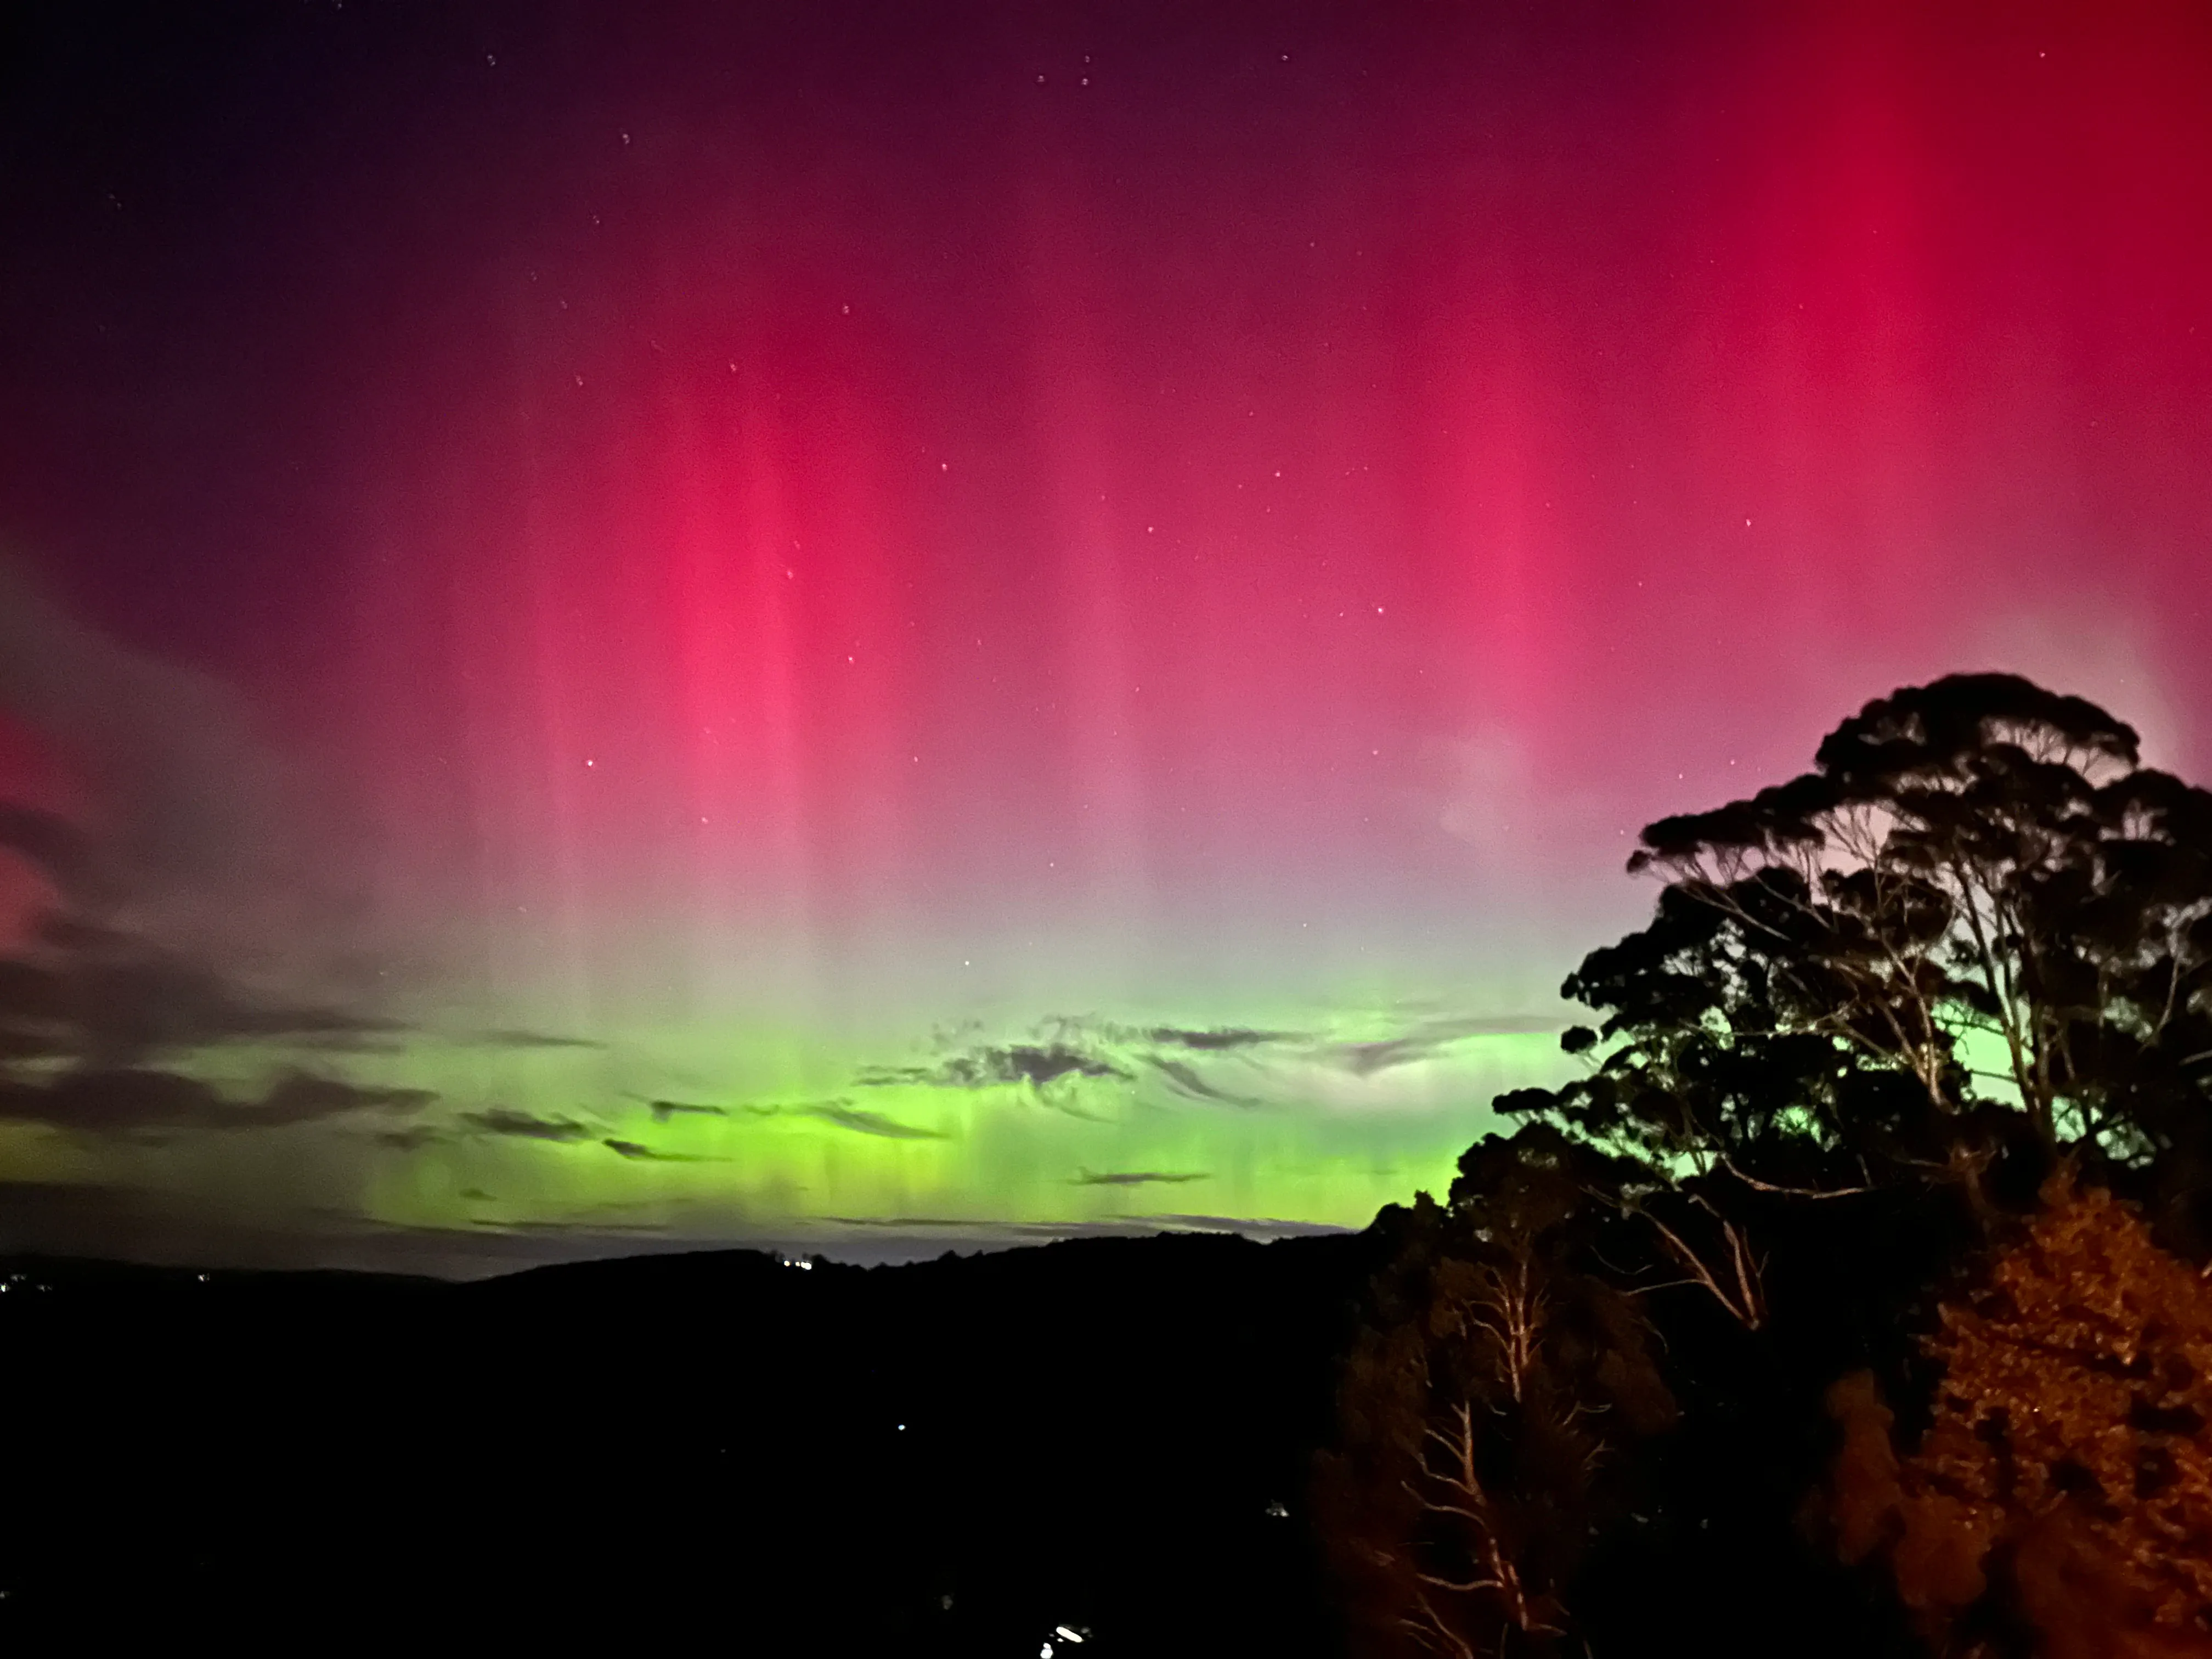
x=1066 y=1634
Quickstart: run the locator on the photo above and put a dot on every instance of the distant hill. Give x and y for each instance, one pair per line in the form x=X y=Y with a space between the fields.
x=951 y=1457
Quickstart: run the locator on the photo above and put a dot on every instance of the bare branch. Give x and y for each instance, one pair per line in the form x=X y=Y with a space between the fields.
x=1757 y=1185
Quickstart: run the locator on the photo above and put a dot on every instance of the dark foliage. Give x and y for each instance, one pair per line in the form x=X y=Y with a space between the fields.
x=1487 y=1411
x=1876 y=1009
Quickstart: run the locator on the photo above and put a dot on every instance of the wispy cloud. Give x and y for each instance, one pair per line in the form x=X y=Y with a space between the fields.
x=1184 y=1078
x=517 y=1039
x=1248 y=1068
x=863 y=1122
x=663 y=1110
x=845 y=1115
x=1250 y=1226
x=1216 y=1040
x=129 y=1100
x=1137 y=1178
x=1431 y=1037
x=298 y=1096
x=639 y=1153
x=506 y=1121
x=1039 y=1065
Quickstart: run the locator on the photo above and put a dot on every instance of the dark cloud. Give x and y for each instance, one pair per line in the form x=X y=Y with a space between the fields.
x=1213 y=1041
x=53 y=845
x=862 y=1121
x=631 y=1149
x=129 y=1223
x=513 y=1039
x=1136 y=1178
x=34 y=1012
x=559 y=1228
x=1022 y=1231
x=885 y=1077
x=117 y=1100
x=93 y=994
x=1037 y=1064
x=1249 y=1226
x=662 y=1110
x=203 y=888
x=911 y=1238
x=506 y=1121
x=1185 y=1080
x=188 y=798
x=408 y=1140
x=298 y=1096
x=846 y=1115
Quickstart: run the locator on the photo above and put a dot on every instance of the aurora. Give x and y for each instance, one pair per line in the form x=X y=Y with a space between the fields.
x=869 y=636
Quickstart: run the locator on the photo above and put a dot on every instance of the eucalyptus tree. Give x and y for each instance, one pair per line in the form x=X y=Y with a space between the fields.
x=1977 y=929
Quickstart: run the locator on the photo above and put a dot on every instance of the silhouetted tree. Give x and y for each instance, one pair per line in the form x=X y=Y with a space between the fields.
x=1877 y=1009
x=1977 y=932
x=2064 y=1486
x=1484 y=1411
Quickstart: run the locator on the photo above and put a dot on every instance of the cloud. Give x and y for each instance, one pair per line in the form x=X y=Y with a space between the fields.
x=556 y=1229
x=1185 y=1080
x=1036 y=1064
x=637 y=1150
x=1366 y=1059
x=300 y=1097
x=1134 y=1178
x=189 y=803
x=845 y=1115
x=1250 y=1226
x=663 y=1110
x=133 y=1100
x=506 y=1121
x=53 y=845
x=111 y=999
x=912 y=1238
x=891 y=1076
x=862 y=1121
x=513 y=1039
x=1209 y=1041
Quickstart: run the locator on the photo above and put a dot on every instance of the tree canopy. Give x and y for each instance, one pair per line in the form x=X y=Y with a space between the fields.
x=1963 y=961
x=1978 y=930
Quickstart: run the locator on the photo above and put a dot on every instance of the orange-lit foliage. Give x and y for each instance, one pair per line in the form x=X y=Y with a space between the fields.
x=2064 y=1483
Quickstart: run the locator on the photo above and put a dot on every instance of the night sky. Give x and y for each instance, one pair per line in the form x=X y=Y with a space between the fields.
x=869 y=627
